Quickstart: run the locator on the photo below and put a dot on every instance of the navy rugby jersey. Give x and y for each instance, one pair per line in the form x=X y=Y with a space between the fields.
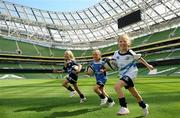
x=69 y=66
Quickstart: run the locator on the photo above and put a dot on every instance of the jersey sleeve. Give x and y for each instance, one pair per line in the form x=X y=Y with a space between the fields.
x=136 y=56
x=74 y=62
x=91 y=65
x=65 y=69
x=103 y=63
x=114 y=56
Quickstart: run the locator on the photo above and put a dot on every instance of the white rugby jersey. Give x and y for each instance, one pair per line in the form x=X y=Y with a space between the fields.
x=126 y=63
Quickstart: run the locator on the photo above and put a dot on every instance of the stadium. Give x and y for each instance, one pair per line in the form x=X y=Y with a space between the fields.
x=33 y=42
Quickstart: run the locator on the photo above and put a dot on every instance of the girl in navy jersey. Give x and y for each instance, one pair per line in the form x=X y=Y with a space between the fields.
x=72 y=76
x=100 y=73
x=125 y=59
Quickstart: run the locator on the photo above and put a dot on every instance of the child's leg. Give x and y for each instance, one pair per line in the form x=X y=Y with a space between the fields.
x=78 y=91
x=135 y=93
x=65 y=84
x=122 y=101
x=103 y=98
x=118 y=88
x=110 y=100
x=138 y=97
x=102 y=89
x=98 y=91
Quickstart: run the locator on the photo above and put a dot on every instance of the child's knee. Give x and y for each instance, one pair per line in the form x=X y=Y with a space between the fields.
x=64 y=84
x=117 y=86
x=138 y=97
x=95 y=88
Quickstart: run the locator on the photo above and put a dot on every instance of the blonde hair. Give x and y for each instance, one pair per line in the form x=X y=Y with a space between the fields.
x=69 y=52
x=126 y=38
x=96 y=50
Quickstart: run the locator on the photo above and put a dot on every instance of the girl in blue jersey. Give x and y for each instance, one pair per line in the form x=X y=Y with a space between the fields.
x=125 y=59
x=72 y=76
x=101 y=78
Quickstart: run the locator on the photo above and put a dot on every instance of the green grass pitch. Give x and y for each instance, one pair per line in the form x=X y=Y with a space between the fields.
x=46 y=98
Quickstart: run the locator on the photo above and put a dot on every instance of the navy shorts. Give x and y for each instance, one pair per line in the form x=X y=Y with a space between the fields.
x=72 y=78
x=101 y=82
x=128 y=81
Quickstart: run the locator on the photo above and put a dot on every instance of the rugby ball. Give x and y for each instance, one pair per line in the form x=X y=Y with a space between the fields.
x=75 y=67
x=110 y=64
x=89 y=70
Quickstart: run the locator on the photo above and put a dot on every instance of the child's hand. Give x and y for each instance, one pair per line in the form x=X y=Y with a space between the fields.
x=78 y=71
x=150 y=67
x=58 y=71
x=55 y=71
x=102 y=70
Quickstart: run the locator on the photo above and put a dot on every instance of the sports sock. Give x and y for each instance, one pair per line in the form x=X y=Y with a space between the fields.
x=122 y=102
x=70 y=88
x=101 y=96
x=110 y=99
x=81 y=96
x=142 y=104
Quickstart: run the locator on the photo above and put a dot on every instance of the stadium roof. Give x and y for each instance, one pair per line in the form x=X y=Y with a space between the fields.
x=57 y=5
x=92 y=27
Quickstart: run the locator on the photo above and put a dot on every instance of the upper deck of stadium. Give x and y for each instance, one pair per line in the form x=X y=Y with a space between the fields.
x=95 y=26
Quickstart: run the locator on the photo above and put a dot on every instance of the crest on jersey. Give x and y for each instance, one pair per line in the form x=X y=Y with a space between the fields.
x=126 y=78
x=128 y=57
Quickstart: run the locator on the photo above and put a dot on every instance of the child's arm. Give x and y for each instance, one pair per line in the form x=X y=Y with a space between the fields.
x=150 y=67
x=58 y=71
x=61 y=71
x=79 y=68
x=103 y=69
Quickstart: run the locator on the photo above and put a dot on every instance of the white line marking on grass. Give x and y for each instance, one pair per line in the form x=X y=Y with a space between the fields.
x=11 y=76
x=177 y=72
x=166 y=70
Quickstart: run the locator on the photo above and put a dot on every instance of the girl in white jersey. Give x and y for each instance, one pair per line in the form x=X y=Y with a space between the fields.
x=125 y=59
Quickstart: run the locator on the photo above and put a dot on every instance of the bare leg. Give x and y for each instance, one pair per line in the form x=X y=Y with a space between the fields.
x=103 y=91
x=65 y=83
x=67 y=86
x=118 y=89
x=110 y=100
x=97 y=90
x=77 y=89
x=139 y=99
x=135 y=93
x=122 y=101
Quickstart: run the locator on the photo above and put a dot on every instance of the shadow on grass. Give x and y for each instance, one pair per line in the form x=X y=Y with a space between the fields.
x=72 y=113
x=38 y=109
x=45 y=104
x=139 y=116
x=40 y=104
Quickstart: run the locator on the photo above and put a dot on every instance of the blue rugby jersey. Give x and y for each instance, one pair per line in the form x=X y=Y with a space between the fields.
x=97 y=66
